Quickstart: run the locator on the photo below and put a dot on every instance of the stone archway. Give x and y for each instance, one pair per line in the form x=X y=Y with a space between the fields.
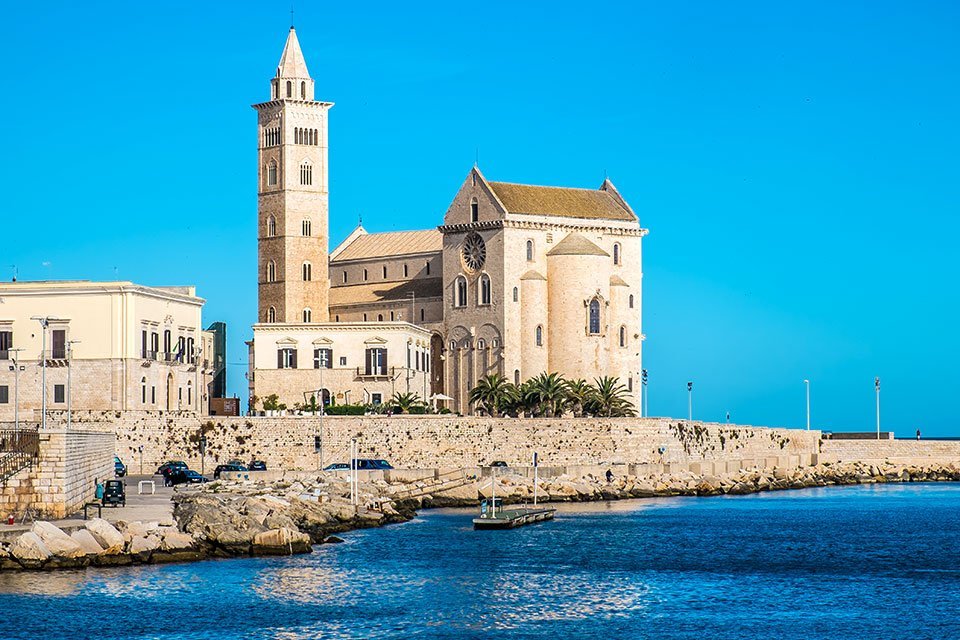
x=437 y=360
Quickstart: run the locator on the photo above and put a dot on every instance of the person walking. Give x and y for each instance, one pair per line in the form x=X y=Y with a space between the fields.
x=918 y=434
x=609 y=476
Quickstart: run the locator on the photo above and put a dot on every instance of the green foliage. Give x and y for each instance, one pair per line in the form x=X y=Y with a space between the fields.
x=611 y=398
x=493 y=394
x=405 y=402
x=346 y=410
x=271 y=402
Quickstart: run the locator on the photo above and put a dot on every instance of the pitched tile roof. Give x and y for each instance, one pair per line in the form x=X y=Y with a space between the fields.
x=576 y=245
x=560 y=201
x=369 y=293
x=392 y=243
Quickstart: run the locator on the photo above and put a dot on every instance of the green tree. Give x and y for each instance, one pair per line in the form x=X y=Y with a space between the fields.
x=403 y=402
x=493 y=394
x=548 y=393
x=611 y=398
x=580 y=395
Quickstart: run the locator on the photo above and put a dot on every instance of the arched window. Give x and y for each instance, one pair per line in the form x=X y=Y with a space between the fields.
x=406 y=271
x=143 y=390
x=306 y=228
x=453 y=345
x=336 y=318
x=391 y=316
x=272 y=173
x=594 y=328
x=271 y=271
x=364 y=275
x=271 y=315
x=303 y=90
x=316 y=137
x=379 y=317
x=516 y=294
x=485 y=294
x=631 y=301
x=307 y=272
x=516 y=377
x=474 y=211
x=344 y=277
x=306 y=173
x=529 y=250
x=616 y=253
x=539 y=335
x=289 y=89
x=623 y=336
x=481 y=344
x=427 y=264
x=271 y=227
x=460 y=292
x=384 y=272
x=364 y=317
x=307 y=315
x=189 y=392
x=422 y=314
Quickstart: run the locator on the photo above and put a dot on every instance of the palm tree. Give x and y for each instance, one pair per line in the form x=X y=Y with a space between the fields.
x=612 y=398
x=493 y=394
x=548 y=392
x=403 y=402
x=580 y=393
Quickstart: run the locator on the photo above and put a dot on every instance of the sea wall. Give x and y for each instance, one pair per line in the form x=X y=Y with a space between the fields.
x=900 y=451
x=63 y=477
x=427 y=442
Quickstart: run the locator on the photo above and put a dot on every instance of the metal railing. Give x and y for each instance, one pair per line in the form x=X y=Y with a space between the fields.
x=383 y=372
x=19 y=449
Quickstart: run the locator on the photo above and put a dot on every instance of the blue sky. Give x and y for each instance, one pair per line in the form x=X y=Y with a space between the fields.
x=796 y=165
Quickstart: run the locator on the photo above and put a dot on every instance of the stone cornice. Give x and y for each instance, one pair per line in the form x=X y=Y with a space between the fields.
x=333 y=327
x=471 y=226
x=88 y=288
x=277 y=103
x=540 y=225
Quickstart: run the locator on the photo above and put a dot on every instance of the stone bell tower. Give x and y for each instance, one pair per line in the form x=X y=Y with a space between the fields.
x=293 y=200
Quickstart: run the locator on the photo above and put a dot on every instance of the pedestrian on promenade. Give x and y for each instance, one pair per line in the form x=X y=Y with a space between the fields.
x=918 y=434
x=609 y=476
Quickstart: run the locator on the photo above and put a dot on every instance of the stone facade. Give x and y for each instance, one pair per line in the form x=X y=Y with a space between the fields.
x=898 y=451
x=64 y=478
x=109 y=345
x=353 y=362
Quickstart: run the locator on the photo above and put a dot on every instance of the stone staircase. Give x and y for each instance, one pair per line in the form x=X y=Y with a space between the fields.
x=443 y=482
x=19 y=450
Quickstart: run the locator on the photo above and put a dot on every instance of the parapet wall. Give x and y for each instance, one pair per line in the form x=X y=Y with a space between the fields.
x=419 y=442
x=64 y=477
x=900 y=451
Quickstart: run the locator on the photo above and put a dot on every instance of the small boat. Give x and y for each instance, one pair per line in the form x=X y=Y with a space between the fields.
x=494 y=516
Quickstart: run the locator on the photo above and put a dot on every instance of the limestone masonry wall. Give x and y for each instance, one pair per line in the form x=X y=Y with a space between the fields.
x=445 y=441
x=902 y=451
x=64 y=477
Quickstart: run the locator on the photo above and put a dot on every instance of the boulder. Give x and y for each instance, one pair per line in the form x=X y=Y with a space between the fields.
x=106 y=535
x=173 y=540
x=86 y=540
x=30 y=551
x=332 y=540
x=141 y=547
x=58 y=543
x=280 y=542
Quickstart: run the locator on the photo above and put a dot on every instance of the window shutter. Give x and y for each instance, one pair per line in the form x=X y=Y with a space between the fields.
x=367 y=361
x=329 y=358
x=383 y=362
x=293 y=358
x=279 y=358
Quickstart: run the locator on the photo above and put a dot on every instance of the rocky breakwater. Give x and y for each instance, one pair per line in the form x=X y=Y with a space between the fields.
x=514 y=488
x=98 y=543
x=281 y=517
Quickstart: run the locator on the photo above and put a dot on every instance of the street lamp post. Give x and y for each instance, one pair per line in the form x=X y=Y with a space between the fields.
x=44 y=323
x=645 y=409
x=16 y=388
x=690 y=401
x=807 y=384
x=876 y=384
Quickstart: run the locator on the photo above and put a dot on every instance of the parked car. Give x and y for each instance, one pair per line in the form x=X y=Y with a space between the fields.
x=498 y=463
x=166 y=467
x=227 y=467
x=114 y=492
x=258 y=465
x=193 y=477
x=119 y=469
x=364 y=464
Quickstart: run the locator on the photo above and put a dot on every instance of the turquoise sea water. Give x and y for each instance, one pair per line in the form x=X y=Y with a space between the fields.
x=878 y=561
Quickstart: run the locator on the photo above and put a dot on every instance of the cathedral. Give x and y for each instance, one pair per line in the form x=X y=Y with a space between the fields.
x=517 y=280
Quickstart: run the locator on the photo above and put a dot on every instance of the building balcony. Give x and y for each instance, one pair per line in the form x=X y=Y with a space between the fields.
x=382 y=373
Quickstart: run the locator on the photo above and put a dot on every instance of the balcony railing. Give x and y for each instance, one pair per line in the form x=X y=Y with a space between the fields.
x=382 y=373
